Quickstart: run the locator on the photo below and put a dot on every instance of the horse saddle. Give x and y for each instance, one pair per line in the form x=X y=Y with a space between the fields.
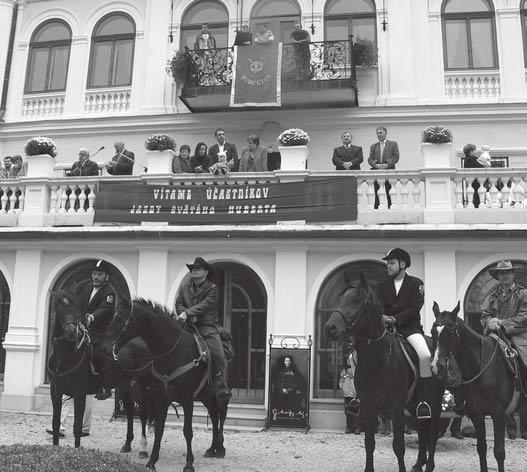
x=511 y=357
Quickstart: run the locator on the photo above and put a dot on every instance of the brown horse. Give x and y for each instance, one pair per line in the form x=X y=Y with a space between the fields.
x=489 y=385
x=383 y=376
x=177 y=366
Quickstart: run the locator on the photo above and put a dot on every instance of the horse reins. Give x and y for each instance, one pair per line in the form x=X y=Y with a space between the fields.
x=85 y=337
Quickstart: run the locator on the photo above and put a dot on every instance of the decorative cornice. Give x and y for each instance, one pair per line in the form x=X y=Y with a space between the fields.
x=79 y=40
x=7 y=3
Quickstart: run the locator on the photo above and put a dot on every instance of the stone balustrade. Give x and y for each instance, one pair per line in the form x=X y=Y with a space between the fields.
x=43 y=105
x=493 y=195
x=469 y=86
x=111 y=100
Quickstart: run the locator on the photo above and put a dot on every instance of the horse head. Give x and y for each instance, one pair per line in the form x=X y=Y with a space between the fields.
x=353 y=309
x=68 y=313
x=445 y=339
x=118 y=330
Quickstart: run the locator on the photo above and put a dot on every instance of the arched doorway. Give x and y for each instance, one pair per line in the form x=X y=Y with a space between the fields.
x=75 y=278
x=329 y=354
x=211 y=12
x=242 y=310
x=481 y=286
x=279 y=16
x=5 y=302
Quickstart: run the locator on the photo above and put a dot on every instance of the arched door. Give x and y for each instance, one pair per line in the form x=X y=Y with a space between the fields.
x=243 y=312
x=5 y=302
x=329 y=354
x=482 y=285
x=279 y=16
x=75 y=278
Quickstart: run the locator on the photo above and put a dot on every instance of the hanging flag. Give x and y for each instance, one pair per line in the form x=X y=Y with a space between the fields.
x=257 y=75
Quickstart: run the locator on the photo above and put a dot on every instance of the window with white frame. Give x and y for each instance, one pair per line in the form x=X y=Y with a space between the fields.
x=209 y=12
x=112 y=52
x=469 y=35
x=49 y=53
x=278 y=16
x=345 y=18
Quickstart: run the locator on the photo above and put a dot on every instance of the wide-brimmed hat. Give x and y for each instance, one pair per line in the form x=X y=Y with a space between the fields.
x=398 y=253
x=200 y=262
x=501 y=266
x=102 y=266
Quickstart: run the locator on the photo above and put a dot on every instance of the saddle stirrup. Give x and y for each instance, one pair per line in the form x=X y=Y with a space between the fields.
x=423 y=411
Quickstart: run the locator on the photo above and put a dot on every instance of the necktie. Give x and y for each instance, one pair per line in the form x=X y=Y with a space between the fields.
x=382 y=151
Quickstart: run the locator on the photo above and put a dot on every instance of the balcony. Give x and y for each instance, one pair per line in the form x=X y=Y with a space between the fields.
x=331 y=81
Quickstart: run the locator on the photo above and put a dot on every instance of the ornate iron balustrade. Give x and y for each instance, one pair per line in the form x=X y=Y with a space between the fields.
x=326 y=60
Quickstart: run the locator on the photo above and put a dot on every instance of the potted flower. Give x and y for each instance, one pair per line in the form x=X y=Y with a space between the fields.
x=160 y=153
x=436 y=146
x=179 y=68
x=40 y=156
x=365 y=53
x=293 y=149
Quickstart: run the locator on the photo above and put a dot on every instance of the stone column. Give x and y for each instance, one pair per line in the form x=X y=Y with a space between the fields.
x=77 y=73
x=512 y=68
x=156 y=55
x=290 y=292
x=23 y=343
x=152 y=274
x=440 y=282
x=6 y=17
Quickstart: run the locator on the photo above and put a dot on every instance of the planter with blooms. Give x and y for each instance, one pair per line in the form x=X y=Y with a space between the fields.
x=436 y=146
x=40 y=156
x=448 y=403
x=293 y=149
x=160 y=153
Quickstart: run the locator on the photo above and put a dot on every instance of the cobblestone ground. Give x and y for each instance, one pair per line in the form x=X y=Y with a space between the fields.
x=282 y=451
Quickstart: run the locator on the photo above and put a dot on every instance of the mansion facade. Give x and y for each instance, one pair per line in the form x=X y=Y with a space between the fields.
x=87 y=74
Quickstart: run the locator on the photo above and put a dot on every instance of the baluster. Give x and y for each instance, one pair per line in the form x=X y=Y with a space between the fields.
x=404 y=194
x=21 y=199
x=381 y=194
x=416 y=193
x=482 y=192
x=53 y=199
x=458 y=191
x=12 y=201
x=518 y=191
x=82 y=199
x=394 y=192
x=506 y=195
x=73 y=198
x=63 y=198
x=370 y=195
x=91 y=197
x=493 y=192
x=470 y=195
x=3 y=200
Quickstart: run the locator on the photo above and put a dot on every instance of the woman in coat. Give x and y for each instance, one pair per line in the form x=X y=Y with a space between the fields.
x=253 y=158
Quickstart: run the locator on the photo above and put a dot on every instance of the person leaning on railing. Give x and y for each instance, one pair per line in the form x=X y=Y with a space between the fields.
x=253 y=158
x=243 y=37
x=181 y=163
x=18 y=167
x=84 y=167
x=200 y=161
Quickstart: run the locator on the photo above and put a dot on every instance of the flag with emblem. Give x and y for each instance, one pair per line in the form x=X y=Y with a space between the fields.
x=257 y=75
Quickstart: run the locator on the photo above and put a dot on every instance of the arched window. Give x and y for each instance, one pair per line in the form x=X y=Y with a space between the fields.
x=343 y=18
x=49 y=54
x=329 y=354
x=523 y=13
x=482 y=285
x=211 y=12
x=469 y=34
x=279 y=16
x=112 y=51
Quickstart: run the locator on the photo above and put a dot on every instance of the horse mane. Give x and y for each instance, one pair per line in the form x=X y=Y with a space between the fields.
x=154 y=306
x=367 y=293
x=62 y=294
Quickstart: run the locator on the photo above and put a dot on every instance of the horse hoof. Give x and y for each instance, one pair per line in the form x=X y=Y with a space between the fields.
x=220 y=453
x=150 y=466
x=188 y=468
x=126 y=448
x=143 y=455
x=416 y=468
x=209 y=453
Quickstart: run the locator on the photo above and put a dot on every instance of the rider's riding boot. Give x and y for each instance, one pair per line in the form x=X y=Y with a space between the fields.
x=221 y=389
x=103 y=393
x=425 y=389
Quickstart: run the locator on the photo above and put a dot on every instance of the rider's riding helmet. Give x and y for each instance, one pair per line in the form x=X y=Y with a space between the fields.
x=102 y=266
x=398 y=253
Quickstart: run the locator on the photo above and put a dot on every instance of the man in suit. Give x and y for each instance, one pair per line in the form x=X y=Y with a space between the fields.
x=402 y=297
x=84 y=167
x=98 y=303
x=384 y=154
x=228 y=148
x=123 y=161
x=347 y=156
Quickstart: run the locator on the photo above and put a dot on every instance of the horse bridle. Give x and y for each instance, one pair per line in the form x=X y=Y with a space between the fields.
x=352 y=325
x=85 y=339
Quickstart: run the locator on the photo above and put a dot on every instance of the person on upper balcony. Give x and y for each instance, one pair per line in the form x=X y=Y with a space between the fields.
x=205 y=40
x=84 y=167
x=200 y=161
x=253 y=158
x=18 y=167
x=222 y=146
x=470 y=160
x=4 y=170
x=263 y=34
x=181 y=162
x=301 y=39
x=123 y=161
x=243 y=37
x=347 y=156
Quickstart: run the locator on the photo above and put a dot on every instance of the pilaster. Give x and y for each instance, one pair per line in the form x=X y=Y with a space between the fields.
x=152 y=261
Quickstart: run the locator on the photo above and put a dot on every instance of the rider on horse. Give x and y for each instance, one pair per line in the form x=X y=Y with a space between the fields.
x=402 y=297
x=197 y=302
x=97 y=302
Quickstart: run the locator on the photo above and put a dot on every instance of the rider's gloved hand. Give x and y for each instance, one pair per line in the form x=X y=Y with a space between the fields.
x=494 y=324
x=388 y=320
x=89 y=319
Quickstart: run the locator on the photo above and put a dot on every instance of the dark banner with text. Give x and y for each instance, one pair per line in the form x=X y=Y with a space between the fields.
x=256 y=75
x=315 y=200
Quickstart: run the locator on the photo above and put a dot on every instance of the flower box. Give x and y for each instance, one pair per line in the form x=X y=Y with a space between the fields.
x=40 y=165
x=436 y=156
x=159 y=162
x=293 y=157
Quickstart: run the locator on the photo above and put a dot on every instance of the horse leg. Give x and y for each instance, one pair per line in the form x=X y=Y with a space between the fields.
x=222 y=414
x=421 y=439
x=129 y=410
x=79 y=404
x=143 y=414
x=56 y=400
x=211 y=406
x=498 y=421
x=432 y=430
x=479 y=426
x=369 y=416
x=161 y=410
x=398 y=436
x=188 y=409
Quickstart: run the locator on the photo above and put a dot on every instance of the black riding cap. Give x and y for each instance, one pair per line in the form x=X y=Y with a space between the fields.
x=200 y=262
x=398 y=253
x=102 y=266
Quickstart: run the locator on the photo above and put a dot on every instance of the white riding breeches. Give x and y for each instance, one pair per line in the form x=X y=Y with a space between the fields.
x=418 y=342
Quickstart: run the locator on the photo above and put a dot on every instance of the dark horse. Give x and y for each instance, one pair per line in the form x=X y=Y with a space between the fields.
x=71 y=373
x=182 y=377
x=489 y=384
x=383 y=376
